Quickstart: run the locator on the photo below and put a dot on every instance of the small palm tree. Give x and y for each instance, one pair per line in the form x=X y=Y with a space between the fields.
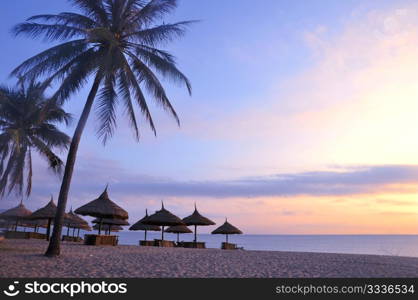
x=114 y=43
x=27 y=124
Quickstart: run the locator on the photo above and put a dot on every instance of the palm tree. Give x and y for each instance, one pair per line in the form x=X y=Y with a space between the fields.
x=27 y=124
x=114 y=43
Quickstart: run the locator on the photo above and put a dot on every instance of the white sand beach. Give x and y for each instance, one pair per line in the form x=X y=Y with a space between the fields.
x=24 y=258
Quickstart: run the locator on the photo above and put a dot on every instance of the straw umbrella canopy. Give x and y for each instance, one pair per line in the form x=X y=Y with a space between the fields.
x=196 y=219
x=35 y=224
x=16 y=214
x=141 y=226
x=101 y=208
x=107 y=221
x=178 y=229
x=226 y=228
x=47 y=213
x=163 y=218
x=113 y=228
x=76 y=222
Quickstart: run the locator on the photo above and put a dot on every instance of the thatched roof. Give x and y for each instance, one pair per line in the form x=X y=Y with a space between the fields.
x=102 y=207
x=46 y=212
x=114 y=228
x=76 y=221
x=141 y=226
x=197 y=219
x=178 y=229
x=227 y=228
x=33 y=223
x=163 y=217
x=111 y=221
x=18 y=212
x=84 y=227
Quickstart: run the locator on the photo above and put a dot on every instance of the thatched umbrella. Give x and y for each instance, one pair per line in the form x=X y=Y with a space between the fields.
x=163 y=218
x=196 y=219
x=101 y=208
x=108 y=221
x=113 y=228
x=76 y=222
x=141 y=226
x=35 y=224
x=46 y=213
x=227 y=229
x=16 y=214
x=178 y=229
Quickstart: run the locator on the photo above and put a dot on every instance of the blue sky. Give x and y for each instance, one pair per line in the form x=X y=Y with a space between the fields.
x=276 y=91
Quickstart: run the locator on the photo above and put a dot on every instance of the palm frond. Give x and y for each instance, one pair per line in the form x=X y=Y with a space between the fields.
x=159 y=34
x=166 y=67
x=50 y=60
x=139 y=95
x=66 y=18
x=152 y=11
x=125 y=93
x=50 y=32
x=153 y=85
x=107 y=100
x=94 y=9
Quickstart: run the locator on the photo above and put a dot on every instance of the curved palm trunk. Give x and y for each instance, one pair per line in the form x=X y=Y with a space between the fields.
x=55 y=243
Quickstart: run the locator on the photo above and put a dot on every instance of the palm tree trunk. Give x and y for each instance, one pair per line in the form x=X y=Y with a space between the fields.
x=55 y=243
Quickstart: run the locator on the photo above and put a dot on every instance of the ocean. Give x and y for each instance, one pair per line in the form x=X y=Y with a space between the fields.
x=396 y=245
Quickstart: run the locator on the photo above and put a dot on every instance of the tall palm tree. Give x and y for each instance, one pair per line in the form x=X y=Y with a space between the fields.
x=114 y=43
x=27 y=124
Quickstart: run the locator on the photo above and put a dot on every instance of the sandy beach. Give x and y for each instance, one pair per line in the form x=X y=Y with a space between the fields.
x=23 y=258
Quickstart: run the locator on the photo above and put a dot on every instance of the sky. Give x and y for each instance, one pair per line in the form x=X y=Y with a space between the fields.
x=303 y=119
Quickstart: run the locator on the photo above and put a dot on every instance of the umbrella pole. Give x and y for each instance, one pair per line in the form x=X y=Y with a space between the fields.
x=17 y=222
x=68 y=230
x=227 y=238
x=178 y=234
x=34 y=228
x=100 y=225
x=195 y=233
x=145 y=235
x=162 y=234
x=78 y=233
x=48 y=230
x=73 y=231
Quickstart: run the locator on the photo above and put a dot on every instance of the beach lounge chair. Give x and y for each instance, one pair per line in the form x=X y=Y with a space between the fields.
x=230 y=246
x=163 y=243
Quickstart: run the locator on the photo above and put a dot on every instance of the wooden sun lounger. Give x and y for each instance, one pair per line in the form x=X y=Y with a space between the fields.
x=230 y=246
x=160 y=243
x=75 y=239
x=100 y=240
x=24 y=235
x=197 y=245
x=146 y=243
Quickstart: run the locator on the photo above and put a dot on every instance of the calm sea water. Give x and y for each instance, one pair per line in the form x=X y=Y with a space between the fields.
x=398 y=245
